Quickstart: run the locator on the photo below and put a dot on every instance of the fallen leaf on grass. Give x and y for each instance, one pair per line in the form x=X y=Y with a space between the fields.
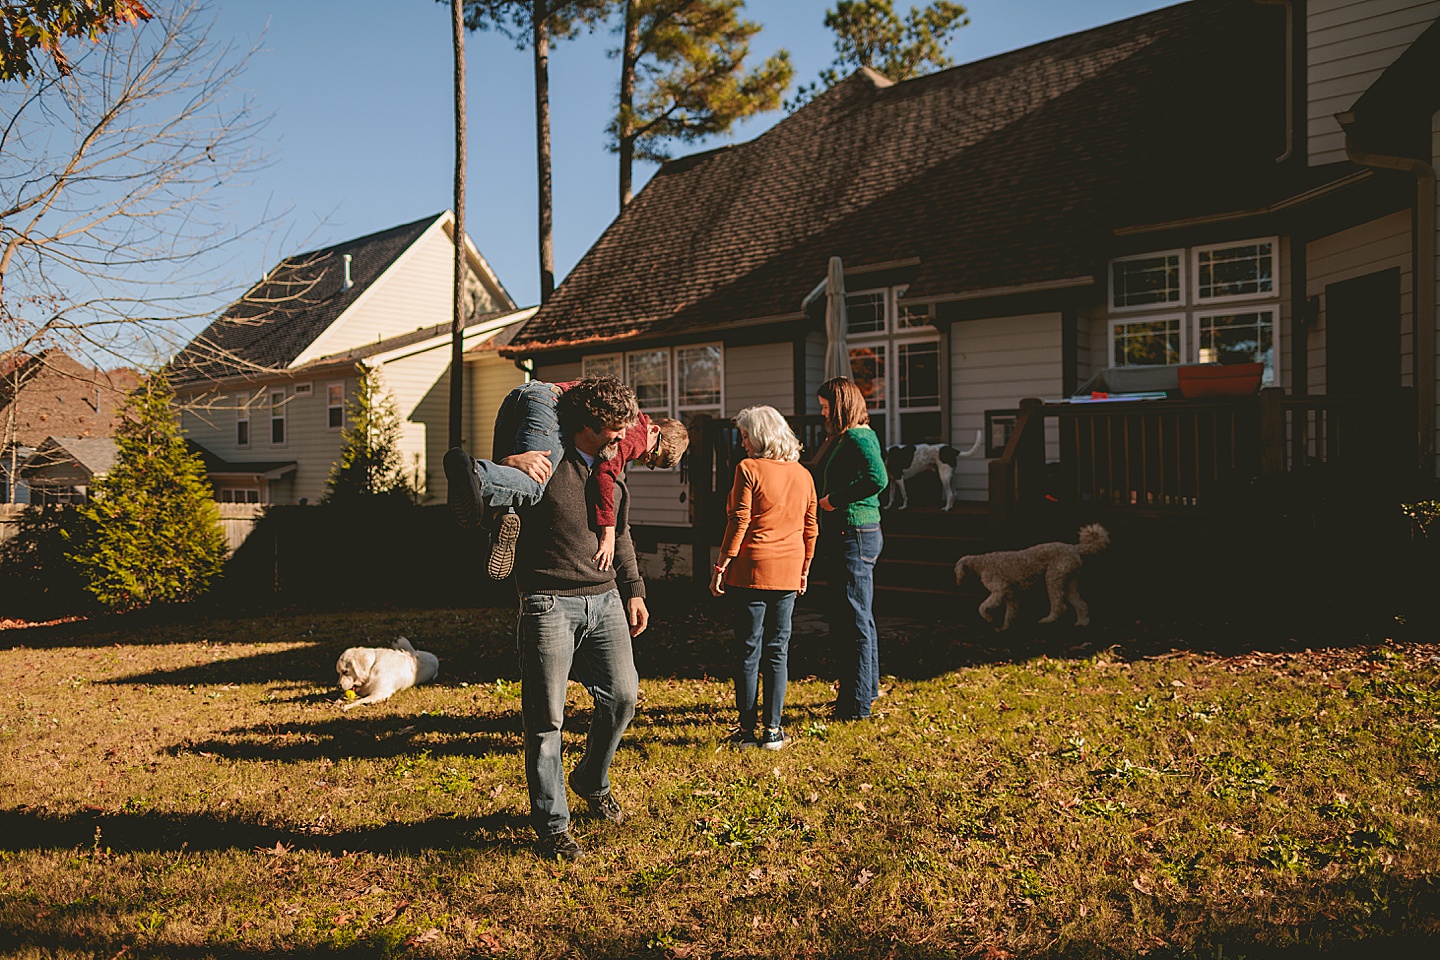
x=864 y=877
x=279 y=850
x=426 y=937
x=343 y=919
x=1139 y=883
x=395 y=911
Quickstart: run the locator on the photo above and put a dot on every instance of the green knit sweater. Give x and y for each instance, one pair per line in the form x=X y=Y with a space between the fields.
x=853 y=477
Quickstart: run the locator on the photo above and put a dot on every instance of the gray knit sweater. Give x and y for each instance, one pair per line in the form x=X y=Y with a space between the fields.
x=557 y=540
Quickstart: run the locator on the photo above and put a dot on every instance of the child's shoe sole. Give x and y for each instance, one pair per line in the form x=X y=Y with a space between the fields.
x=502 y=548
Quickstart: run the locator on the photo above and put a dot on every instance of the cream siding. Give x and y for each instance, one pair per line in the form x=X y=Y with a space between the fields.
x=308 y=441
x=760 y=374
x=994 y=364
x=558 y=372
x=487 y=380
x=1367 y=248
x=418 y=377
x=415 y=292
x=1349 y=44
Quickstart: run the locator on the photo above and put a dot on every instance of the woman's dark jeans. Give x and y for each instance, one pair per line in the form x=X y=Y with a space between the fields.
x=762 y=645
x=857 y=644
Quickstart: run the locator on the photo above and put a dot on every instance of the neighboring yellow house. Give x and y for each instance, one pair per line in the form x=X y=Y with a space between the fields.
x=266 y=384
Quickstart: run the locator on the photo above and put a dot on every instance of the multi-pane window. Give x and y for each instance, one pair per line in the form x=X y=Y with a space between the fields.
x=1146 y=343
x=895 y=360
x=1238 y=338
x=334 y=406
x=648 y=373
x=668 y=382
x=1238 y=271
x=1147 y=280
x=1160 y=317
x=698 y=384
x=610 y=365
x=242 y=421
x=239 y=495
x=277 y=417
x=865 y=311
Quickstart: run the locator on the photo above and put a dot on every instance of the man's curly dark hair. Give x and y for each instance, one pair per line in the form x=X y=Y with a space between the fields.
x=597 y=403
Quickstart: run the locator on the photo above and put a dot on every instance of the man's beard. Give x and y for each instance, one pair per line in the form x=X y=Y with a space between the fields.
x=610 y=451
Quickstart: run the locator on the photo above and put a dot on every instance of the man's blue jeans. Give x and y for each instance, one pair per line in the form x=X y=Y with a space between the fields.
x=527 y=421
x=853 y=622
x=587 y=638
x=762 y=642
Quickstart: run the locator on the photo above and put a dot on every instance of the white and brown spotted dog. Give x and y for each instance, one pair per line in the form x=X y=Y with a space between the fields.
x=913 y=459
x=1006 y=572
x=374 y=673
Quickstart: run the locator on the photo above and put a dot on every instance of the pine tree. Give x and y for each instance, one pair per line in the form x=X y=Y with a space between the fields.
x=370 y=464
x=683 y=77
x=151 y=530
x=869 y=33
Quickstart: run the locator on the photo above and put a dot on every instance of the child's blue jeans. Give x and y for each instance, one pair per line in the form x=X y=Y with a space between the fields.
x=527 y=421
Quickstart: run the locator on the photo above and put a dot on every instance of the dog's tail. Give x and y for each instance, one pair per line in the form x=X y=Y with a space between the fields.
x=1093 y=539
x=962 y=567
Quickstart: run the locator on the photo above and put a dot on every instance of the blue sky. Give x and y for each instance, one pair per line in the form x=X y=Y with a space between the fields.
x=361 y=132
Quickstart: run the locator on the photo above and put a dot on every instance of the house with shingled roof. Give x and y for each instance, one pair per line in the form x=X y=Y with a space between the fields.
x=264 y=389
x=1220 y=181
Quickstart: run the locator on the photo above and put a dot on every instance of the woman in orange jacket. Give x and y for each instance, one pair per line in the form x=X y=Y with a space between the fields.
x=764 y=564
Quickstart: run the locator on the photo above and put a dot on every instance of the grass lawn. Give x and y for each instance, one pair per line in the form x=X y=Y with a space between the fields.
x=188 y=788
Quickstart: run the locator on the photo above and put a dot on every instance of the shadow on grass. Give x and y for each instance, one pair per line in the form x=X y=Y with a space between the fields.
x=690 y=637
x=350 y=738
x=25 y=829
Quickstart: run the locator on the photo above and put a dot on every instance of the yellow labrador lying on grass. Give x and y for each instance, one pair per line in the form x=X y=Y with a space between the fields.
x=374 y=673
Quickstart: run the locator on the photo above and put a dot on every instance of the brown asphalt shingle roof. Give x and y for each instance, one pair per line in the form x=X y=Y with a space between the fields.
x=1008 y=171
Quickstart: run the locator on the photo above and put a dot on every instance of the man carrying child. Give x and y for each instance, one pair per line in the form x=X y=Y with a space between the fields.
x=577 y=618
x=526 y=432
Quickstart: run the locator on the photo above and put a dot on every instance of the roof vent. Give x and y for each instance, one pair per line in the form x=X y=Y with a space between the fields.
x=348 y=281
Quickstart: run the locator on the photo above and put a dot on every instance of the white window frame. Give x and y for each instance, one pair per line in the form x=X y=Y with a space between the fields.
x=669 y=405
x=1271 y=294
x=891 y=337
x=715 y=409
x=887 y=303
x=242 y=415
x=1271 y=307
x=282 y=415
x=235 y=494
x=334 y=427
x=1187 y=347
x=1182 y=262
x=588 y=364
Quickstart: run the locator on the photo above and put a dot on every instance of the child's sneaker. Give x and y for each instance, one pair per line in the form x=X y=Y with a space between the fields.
x=502 y=546
x=742 y=739
x=772 y=738
x=462 y=487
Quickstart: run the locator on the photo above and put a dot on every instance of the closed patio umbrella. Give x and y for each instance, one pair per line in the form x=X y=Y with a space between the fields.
x=837 y=353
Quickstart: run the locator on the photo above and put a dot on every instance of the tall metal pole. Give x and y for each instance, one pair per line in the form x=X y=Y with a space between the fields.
x=457 y=319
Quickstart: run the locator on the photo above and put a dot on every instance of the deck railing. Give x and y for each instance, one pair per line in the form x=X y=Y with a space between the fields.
x=1182 y=455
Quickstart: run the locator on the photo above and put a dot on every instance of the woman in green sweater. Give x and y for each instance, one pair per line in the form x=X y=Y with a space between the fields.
x=852 y=475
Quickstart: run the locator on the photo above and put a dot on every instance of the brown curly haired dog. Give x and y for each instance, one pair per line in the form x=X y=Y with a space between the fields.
x=1006 y=572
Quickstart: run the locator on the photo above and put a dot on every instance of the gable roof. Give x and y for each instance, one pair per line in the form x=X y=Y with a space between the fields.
x=1009 y=171
x=297 y=301
x=95 y=455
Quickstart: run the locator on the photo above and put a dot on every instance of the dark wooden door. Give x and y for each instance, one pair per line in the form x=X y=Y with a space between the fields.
x=1362 y=335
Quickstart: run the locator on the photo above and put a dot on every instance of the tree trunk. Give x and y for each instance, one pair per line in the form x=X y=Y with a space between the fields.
x=542 y=149
x=628 y=57
x=457 y=317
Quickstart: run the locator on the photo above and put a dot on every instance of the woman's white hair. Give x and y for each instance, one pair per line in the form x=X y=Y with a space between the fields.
x=769 y=433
